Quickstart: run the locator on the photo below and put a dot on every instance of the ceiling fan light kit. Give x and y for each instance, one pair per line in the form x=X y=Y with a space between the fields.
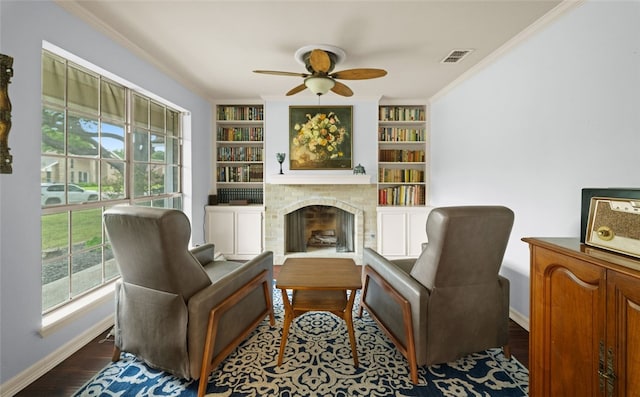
x=319 y=60
x=319 y=85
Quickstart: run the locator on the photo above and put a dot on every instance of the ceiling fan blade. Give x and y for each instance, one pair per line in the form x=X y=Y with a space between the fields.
x=359 y=74
x=296 y=90
x=320 y=61
x=342 y=89
x=281 y=73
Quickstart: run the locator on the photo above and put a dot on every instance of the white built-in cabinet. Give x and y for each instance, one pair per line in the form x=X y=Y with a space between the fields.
x=236 y=231
x=402 y=180
x=402 y=231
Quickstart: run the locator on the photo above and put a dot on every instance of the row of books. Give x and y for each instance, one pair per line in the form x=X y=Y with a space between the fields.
x=240 y=153
x=395 y=134
x=239 y=112
x=244 y=134
x=401 y=155
x=253 y=196
x=242 y=173
x=400 y=175
x=401 y=113
x=402 y=195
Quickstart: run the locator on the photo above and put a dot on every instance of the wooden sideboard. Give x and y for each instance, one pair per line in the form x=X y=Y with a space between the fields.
x=585 y=320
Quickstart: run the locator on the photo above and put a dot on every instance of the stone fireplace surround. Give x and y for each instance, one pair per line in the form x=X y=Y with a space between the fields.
x=359 y=199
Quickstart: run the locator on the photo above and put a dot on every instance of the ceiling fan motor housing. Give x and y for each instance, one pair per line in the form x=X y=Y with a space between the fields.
x=306 y=57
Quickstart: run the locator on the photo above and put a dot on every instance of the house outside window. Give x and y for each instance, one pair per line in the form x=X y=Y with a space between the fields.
x=103 y=144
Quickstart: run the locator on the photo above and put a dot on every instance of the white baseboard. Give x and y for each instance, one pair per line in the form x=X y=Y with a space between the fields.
x=29 y=375
x=519 y=318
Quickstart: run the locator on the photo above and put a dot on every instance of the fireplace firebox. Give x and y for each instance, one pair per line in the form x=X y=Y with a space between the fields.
x=319 y=227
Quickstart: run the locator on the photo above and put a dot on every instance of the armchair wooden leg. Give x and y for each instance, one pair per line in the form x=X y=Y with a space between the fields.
x=202 y=386
x=267 y=298
x=507 y=351
x=116 y=354
x=410 y=351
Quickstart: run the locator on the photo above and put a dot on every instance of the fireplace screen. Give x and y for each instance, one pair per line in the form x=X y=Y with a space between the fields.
x=319 y=227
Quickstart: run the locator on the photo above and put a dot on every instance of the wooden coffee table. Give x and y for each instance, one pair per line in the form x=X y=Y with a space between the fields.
x=319 y=284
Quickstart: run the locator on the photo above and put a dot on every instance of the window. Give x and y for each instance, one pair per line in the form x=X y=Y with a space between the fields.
x=103 y=143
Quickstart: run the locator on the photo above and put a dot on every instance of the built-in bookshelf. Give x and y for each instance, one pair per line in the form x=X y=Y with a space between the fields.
x=402 y=151
x=239 y=153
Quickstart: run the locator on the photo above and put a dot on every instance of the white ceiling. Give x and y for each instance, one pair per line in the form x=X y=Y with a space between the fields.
x=212 y=46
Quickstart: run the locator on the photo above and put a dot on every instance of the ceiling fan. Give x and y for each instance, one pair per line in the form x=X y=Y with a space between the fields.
x=319 y=60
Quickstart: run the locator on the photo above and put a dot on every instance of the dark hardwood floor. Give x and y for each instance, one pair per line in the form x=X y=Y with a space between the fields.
x=66 y=378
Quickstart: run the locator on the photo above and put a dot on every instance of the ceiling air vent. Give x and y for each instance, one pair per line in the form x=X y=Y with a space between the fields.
x=456 y=56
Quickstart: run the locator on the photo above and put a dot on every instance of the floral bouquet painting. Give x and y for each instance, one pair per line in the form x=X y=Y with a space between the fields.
x=320 y=137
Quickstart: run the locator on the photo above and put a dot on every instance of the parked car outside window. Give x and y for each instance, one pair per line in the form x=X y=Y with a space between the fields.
x=54 y=193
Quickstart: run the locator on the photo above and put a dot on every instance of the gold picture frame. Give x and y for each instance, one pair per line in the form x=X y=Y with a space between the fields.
x=320 y=137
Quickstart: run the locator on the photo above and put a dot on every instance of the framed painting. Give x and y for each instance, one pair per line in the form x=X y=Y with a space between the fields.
x=320 y=137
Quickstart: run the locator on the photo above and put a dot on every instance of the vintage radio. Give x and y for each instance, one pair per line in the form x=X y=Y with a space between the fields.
x=614 y=224
x=612 y=192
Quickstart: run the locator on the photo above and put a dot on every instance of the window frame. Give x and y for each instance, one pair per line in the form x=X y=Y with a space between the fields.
x=77 y=303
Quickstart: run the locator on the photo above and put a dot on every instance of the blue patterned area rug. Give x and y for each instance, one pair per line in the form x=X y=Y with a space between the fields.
x=318 y=362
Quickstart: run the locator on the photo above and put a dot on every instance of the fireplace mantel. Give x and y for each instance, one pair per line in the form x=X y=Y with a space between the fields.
x=319 y=179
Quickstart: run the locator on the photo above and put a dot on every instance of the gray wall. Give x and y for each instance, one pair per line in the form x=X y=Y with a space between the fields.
x=23 y=27
x=557 y=113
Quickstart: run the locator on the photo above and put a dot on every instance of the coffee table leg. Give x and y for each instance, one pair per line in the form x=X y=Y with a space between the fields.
x=348 y=318
x=288 y=317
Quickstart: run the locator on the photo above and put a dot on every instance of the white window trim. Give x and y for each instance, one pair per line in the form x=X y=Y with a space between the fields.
x=71 y=311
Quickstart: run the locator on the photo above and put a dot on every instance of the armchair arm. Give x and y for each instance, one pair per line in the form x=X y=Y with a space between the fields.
x=230 y=278
x=396 y=275
x=204 y=253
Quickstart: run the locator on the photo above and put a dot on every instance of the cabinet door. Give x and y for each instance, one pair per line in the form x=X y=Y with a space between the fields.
x=392 y=233
x=248 y=232
x=568 y=299
x=623 y=334
x=221 y=230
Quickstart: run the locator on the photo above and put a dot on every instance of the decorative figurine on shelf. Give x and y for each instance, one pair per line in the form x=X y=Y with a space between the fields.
x=280 y=157
x=359 y=170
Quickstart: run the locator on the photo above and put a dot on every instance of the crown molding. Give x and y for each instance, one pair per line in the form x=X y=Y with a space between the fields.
x=74 y=8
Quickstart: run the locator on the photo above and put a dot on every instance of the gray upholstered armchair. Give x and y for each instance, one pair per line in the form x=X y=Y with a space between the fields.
x=178 y=309
x=451 y=301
